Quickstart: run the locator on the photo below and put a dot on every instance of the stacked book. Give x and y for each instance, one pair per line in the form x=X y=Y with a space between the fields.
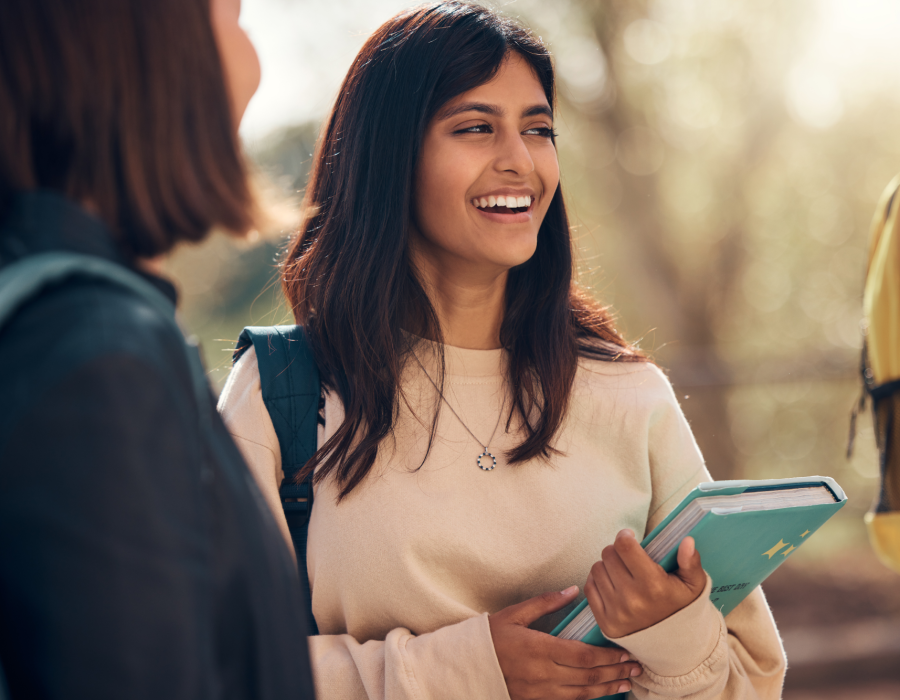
x=744 y=530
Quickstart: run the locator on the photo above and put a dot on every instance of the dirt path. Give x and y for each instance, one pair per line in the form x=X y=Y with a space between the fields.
x=840 y=621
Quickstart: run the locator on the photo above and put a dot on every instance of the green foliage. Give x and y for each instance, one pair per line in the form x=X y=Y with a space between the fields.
x=226 y=284
x=723 y=206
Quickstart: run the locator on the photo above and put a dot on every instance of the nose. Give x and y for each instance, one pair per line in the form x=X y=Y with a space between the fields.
x=513 y=155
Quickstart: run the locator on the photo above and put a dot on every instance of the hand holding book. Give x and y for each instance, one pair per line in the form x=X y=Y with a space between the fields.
x=536 y=665
x=629 y=592
x=745 y=530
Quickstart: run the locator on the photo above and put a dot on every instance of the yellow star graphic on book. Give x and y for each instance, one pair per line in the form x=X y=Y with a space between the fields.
x=772 y=552
x=805 y=534
x=787 y=551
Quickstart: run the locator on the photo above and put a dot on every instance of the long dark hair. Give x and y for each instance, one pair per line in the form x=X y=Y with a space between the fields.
x=348 y=274
x=122 y=103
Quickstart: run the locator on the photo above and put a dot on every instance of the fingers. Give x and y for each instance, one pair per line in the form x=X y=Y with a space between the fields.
x=586 y=671
x=569 y=652
x=537 y=665
x=688 y=556
x=594 y=597
x=586 y=692
x=528 y=611
x=619 y=574
x=602 y=675
x=632 y=556
x=603 y=584
x=690 y=568
x=628 y=591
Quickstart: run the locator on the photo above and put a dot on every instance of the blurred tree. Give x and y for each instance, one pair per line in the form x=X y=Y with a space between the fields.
x=644 y=105
x=700 y=194
x=286 y=156
x=226 y=284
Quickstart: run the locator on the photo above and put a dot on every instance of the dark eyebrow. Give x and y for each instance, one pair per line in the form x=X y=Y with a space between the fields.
x=538 y=109
x=494 y=111
x=471 y=107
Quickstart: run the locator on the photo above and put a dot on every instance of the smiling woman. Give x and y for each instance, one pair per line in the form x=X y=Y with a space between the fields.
x=484 y=431
x=443 y=104
x=485 y=179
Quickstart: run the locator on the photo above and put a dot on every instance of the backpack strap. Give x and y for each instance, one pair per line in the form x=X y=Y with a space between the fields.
x=25 y=279
x=290 y=386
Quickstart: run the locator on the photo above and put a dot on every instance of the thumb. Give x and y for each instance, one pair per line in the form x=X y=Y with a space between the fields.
x=528 y=611
x=690 y=569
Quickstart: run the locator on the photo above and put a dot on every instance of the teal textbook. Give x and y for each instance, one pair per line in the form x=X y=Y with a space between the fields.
x=744 y=530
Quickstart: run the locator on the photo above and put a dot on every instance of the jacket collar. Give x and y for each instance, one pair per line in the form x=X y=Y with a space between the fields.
x=41 y=221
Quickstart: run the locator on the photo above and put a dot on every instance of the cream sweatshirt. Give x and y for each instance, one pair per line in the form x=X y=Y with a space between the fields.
x=405 y=571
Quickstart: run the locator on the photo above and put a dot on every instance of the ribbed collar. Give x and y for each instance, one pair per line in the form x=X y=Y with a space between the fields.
x=461 y=362
x=42 y=221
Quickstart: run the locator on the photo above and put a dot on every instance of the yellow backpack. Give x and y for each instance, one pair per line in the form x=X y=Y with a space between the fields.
x=881 y=370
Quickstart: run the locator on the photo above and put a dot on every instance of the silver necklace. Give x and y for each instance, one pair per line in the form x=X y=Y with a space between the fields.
x=485 y=453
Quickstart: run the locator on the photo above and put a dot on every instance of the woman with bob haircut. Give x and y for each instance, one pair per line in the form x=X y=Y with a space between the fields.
x=488 y=442
x=137 y=559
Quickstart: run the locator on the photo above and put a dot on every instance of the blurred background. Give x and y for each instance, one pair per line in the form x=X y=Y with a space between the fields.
x=722 y=162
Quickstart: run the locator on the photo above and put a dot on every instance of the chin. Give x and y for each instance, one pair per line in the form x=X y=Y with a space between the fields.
x=514 y=258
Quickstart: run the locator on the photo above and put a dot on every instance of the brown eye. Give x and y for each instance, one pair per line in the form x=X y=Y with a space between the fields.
x=544 y=131
x=477 y=129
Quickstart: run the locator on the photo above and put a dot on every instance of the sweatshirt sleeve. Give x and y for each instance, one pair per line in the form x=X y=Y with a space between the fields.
x=456 y=661
x=696 y=653
x=244 y=414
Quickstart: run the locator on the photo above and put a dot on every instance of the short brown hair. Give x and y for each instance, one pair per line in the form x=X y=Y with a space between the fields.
x=122 y=104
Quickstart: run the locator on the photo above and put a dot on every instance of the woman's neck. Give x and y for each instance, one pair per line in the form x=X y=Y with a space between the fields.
x=469 y=306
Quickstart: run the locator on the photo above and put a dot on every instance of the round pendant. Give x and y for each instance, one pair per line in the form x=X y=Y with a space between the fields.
x=493 y=461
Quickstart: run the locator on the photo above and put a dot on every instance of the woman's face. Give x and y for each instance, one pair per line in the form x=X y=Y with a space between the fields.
x=239 y=60
x=486 y=175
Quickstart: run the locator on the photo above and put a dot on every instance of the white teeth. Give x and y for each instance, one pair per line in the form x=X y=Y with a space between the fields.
x=502 y=201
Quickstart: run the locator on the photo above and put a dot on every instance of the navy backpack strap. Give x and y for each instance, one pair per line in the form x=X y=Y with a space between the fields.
x=290 y=389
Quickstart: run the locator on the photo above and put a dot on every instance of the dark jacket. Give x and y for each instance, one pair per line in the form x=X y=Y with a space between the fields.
x=136 y=561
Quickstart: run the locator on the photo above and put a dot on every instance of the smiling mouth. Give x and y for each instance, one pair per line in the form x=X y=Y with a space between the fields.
x=503 y=205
